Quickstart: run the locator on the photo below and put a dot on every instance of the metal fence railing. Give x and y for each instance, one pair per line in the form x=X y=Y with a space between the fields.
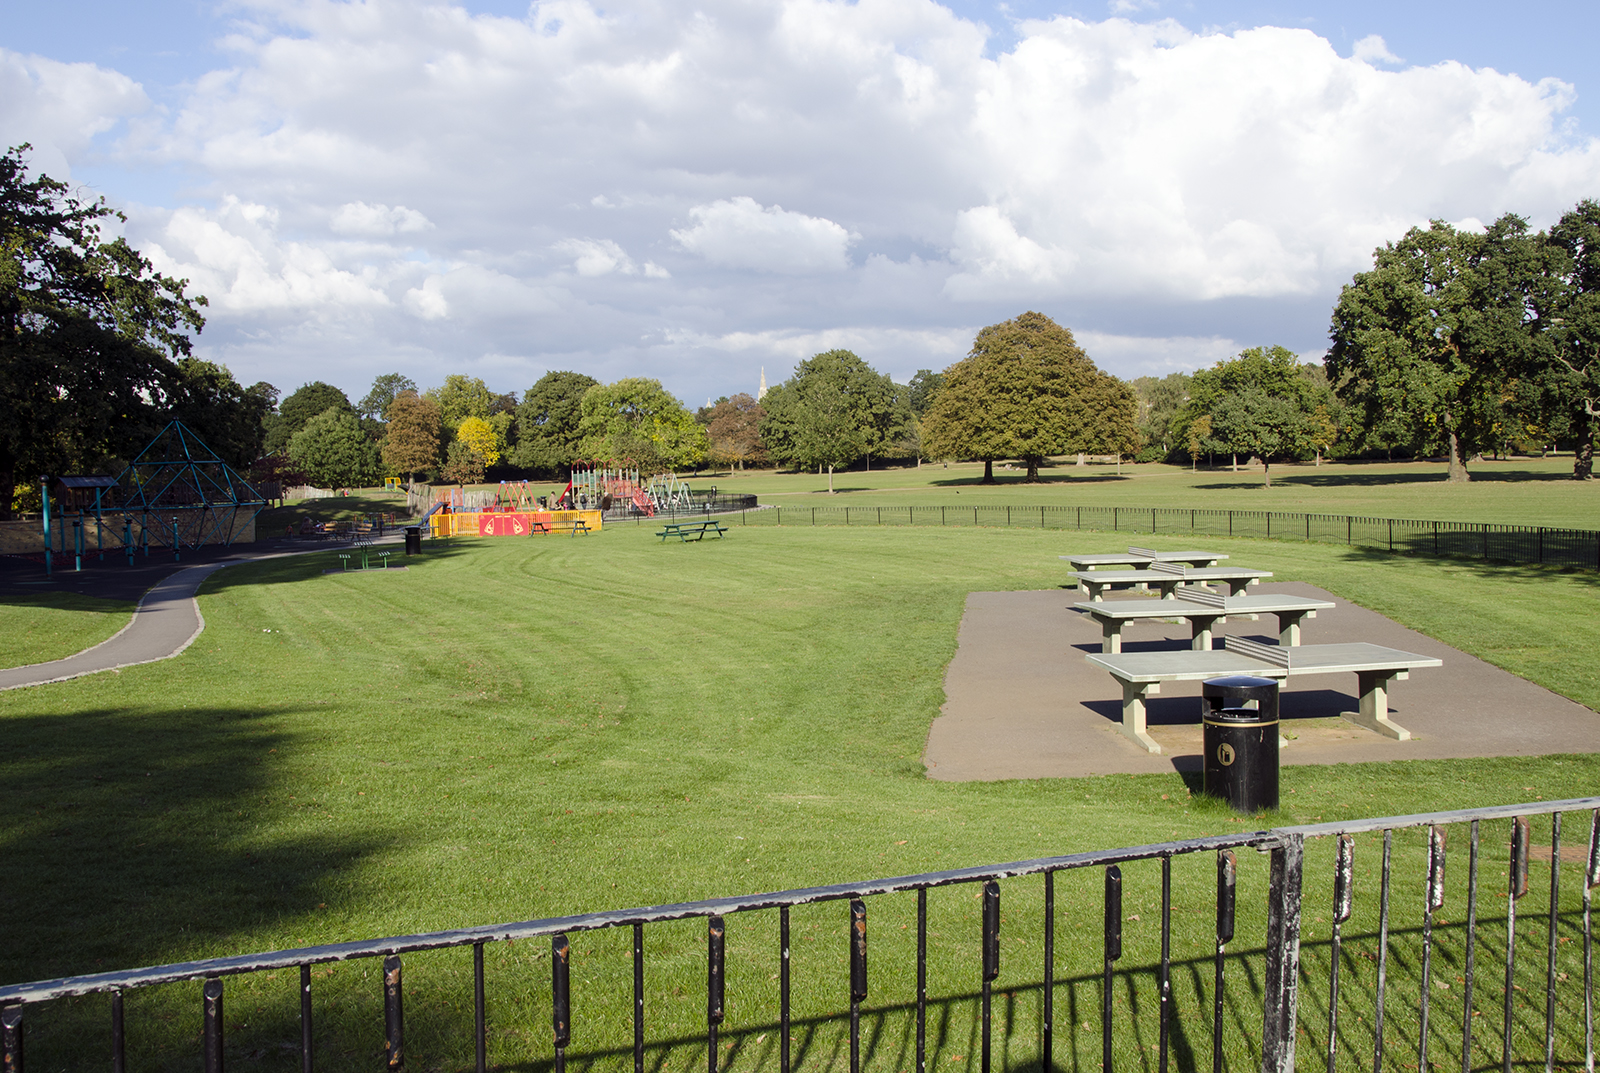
x=1379 y=985
x=1474 y=540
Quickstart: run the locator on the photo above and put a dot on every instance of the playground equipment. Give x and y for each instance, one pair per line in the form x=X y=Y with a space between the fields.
x=670 y=494
x=600 y=486
x=175 y=493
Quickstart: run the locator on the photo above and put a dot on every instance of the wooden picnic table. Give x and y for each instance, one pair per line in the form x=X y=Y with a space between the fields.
x=686 y=531
x=1142 y=557
x=1203 y=609
x=1166 y=578
x=1375 y=668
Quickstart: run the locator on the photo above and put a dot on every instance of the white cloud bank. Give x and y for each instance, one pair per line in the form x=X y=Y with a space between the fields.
x=638 y=188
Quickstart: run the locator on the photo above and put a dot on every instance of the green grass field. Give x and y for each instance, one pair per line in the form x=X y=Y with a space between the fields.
x=513 y=729
x=46 y=626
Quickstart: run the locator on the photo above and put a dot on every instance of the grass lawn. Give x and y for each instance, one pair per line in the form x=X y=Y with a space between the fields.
x=39 y=628
x=522 y=728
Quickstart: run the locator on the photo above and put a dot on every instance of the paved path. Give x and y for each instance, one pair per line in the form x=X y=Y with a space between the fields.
x=1023 y=703
x=166 y=622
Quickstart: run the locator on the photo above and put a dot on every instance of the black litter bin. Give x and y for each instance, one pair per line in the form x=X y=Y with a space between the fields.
x=413 y=540
x=1241 y=740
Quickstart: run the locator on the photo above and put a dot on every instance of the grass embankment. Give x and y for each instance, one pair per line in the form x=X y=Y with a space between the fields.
x=522 y=728
x=39 y=628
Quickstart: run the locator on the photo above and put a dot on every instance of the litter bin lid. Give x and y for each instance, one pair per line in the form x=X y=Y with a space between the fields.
x=1236 y=681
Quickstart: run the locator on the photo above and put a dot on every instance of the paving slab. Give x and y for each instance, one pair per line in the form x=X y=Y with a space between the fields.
x=1022 y=702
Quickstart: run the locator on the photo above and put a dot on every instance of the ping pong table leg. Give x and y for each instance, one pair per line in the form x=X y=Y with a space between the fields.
x=1200 y=627
x=1374 y=713
x=1111 y=635
x=1289 y=627
x=1133 y=714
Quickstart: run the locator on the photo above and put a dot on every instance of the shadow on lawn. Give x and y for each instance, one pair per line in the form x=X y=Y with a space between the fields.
x=325 y=562
x=136 y=836
x=1381 y=479
x=1483 y=570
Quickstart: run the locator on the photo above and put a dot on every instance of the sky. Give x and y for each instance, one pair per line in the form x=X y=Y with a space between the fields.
x=700 y=192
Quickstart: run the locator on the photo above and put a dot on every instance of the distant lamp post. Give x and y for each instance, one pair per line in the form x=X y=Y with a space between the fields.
x=44 y=496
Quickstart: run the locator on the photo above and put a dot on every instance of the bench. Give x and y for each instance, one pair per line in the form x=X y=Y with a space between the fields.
x=1166 y=578
x=686 y=531
x=1375 y=667
x=1143 y=557
x=1203 y=609
x=573 y=527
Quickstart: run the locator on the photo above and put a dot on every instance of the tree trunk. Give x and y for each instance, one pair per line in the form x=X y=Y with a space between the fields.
x=830 y=480
x=988 y=472
x=8 y=484
x=1457 y=471
x=1266 y=471
x=1083 y=459
x=1236 y=462
x=869 y=461
x=1033 y=470
x=1582 y=458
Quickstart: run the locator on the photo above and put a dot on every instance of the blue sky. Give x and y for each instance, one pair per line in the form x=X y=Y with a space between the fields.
x=695 y=193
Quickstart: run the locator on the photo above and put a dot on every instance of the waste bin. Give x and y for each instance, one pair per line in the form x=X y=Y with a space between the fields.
x=1241 y=739
x=413 y=540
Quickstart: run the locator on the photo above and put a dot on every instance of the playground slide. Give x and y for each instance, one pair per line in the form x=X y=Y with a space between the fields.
x=431 y=512
x=641 y=499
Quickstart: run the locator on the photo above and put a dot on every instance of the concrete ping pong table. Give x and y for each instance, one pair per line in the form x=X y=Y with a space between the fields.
x=1375 y=667
x=1203 y=609
x=1166 y=578
x=1142 y=557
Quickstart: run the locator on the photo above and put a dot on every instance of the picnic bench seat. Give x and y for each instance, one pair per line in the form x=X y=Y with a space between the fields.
x=1375 y=667
x=1166 y=578
x=1203 y=609
x=572 y=526
x=686 y=531
x=1142 y=557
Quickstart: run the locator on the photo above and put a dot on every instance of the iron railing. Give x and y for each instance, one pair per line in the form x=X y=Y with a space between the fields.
x=1274 y=971
x=1473 y=540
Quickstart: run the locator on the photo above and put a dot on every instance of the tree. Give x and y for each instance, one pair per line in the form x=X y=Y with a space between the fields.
x=462 y=397
x=296 y=411
x=1435 y=333
x=833 y=410
x=923 y=389
x=384 y=389
x=481 y=439
x=1567 y=361
x=637 y=420
x=734 y=430
x=1262 y=402
x=333 y=451
x=1026 y=391
x=88 y=333
x=1160 y=403
x=462 y=465
x=411 y=441
x=228 y=418
x=548 y=419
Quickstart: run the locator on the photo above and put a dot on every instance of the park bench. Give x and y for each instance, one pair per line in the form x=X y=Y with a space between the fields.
x=686 y=531
x=572 y=527
x=1375 y=668
x=1203 y=609
x=1142 y=557
x=1166 y=579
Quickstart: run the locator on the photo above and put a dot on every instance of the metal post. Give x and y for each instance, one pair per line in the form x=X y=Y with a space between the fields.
x=211 y=1016
x=1432 y=902
x=1283 y=957
x=991 y=959
x=127 y=539
x=1047 y=1035
x=783 y=990
x=119 y=1036
x=44 y=496
x=305 y=1019
x=922 y=980
x=394 y=1029
x=11 y=1039
x=638 y=999
x=858 y=977
x=715 y=932
x=1517 y=886
x=1343 y=887
x=77 y=543
x=1113 y=951
x=561 y=996
x=1227 y=883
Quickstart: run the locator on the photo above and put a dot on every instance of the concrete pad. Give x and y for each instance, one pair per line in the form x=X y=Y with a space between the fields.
x=1023 y=703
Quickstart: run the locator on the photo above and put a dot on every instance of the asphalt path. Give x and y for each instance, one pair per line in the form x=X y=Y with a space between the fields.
x=167 y=619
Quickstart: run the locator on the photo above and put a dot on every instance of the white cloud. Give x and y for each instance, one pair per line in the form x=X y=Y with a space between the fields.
x=421 y=182
x=742 y=233
x=1371 y=49
x=61 y=107
x=377 y=221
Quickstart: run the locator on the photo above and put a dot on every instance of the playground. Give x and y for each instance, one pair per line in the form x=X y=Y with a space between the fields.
x=332 y=759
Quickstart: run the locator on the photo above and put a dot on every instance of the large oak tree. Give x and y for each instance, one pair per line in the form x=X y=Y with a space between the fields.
x=1027 y=390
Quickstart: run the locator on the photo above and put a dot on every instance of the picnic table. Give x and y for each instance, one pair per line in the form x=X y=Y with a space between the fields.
x=1375 y=668
x=1166 y=578
x=572 y=526
x=1142 y=557
x=686 y=531
x=1203 y=609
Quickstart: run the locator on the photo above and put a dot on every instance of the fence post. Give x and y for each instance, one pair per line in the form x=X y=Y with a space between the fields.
x=1116 y=524
x=1391 y=534
x=394 y=1030
x=1283 y=957
x=1349 y=524
x=11 y=1027
x=211 y=1025
x=1230 y=523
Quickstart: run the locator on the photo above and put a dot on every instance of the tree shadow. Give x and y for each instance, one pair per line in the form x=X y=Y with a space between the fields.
x=326 y=562
x=134 y=836
x=1483 y=569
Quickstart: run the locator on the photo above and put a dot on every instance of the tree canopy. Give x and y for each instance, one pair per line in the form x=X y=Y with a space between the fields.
x=384 y=389
x=296 y=411
x=1264 y=403
x=637 y=420
x=411 y=441
x=733 y=427
x=548 y=419
x=333 y=451
x=228 y=418
x=461 y=397
x=1027 y=390
x=1436 y=332
x=88 y=333
x=833 y=410
x=1567 y=358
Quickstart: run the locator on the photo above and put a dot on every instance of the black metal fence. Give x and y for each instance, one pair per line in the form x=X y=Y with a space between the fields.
x=1471 y=540
x=1426 y=1005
